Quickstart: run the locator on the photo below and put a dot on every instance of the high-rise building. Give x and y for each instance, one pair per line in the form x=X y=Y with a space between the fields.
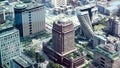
x=113 y=26
x=107 y=56
x=9 y=45
x=63 y=36
x=29 y=18
x=2 y=15
x=62 y=45
x=58 y=3
x=91 y=9
x=9 y=41
x=86 y=25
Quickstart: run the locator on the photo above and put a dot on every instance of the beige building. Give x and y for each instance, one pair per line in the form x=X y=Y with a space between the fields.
x=29 y=18
x=58 y=3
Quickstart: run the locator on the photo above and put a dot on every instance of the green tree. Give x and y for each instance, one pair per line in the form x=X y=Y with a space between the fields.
x=86 y=66
x=30 y=52
x=41 y=58
x=53 y=65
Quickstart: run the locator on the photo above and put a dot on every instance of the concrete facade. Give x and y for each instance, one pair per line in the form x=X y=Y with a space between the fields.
x=113 y=26
x=63 y=45
x=9 y=45
x=29 y=18
x=63 y=36
x=58 y=3
x=106 y=56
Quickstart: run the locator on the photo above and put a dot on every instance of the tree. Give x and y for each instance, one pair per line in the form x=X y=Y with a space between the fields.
x=30 y=52
x=41 y=58
x=53 y=65
x=86 y=66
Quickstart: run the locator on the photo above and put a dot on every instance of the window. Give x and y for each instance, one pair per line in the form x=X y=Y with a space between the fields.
x=29 y=19
x=30 y=23
x=101 y=65
x=29 y=14
x=30 y=32
x=102 y=59
x=102 y=62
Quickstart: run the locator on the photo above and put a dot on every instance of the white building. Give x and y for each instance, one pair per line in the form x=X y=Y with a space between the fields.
x=108 y=8
x=9 y=45
x=113 y=26
x=29 y=18
x=58 y=3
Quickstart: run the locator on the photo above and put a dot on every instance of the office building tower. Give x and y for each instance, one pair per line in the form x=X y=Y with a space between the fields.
x=29 y=18
x=9 y=43
x=9 y=39
x=62 y=45
x=2 y=15
x=107 y=56
x=58 y=3
x=91 y=9
x=113 y=26
x=86 y=25
x=63 y=36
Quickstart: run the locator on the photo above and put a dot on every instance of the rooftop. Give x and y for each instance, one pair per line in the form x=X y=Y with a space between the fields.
x=20 y=6
x=8 y=32
x=75 y=54
x=87 y=6
x=23 y=61
x=6 y=25
x=107 y=51
x=63 y=20
x=112 y=5
x=27 y=5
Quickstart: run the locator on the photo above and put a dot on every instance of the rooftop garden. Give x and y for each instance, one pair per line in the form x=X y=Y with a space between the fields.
x=74 y=55
x=106 y=53
x=53 y=65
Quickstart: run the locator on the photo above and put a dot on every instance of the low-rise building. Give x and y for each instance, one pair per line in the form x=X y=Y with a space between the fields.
x=22 y=62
